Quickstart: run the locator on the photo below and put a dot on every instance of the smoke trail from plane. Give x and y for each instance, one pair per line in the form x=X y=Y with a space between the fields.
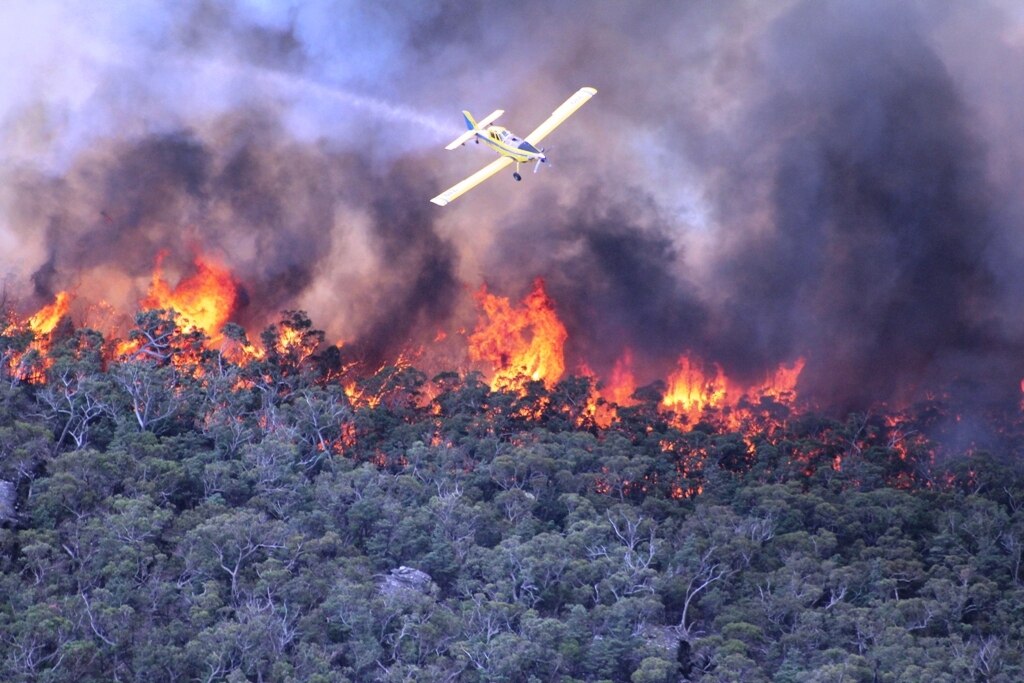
x=298 y=85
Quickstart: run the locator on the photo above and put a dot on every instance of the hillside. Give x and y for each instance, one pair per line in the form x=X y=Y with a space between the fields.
x=185 y=513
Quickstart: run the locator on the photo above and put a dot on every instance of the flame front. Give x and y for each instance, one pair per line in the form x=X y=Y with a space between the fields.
x=692 y=390
x=48 y=316
x=32 y=367
x=203 y=301
x=520 y=342
x=523 y=341
x=622 y=383
x=781 y=385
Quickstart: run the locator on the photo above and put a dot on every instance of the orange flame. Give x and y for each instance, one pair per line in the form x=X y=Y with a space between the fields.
x=203 y=301
x=691 y=390
x=42 y=323
x=622 y=383
x=781 y=385
x=48 y=316
x=523 y=341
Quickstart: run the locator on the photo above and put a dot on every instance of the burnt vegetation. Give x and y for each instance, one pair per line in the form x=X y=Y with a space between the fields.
x=179 y=510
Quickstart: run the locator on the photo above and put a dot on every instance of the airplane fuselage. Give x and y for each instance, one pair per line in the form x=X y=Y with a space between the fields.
x=510 y=149
x=502 y=141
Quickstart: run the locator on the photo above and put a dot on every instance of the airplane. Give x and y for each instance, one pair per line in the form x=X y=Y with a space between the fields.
x=511 y=148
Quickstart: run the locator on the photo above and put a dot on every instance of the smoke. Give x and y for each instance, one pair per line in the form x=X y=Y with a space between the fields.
x=608 y=265
x=752 y=183
x=242 y=193
x=855 y=212
x=874 y=261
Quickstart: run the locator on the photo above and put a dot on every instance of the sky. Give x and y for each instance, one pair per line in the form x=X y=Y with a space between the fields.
x=753 y=183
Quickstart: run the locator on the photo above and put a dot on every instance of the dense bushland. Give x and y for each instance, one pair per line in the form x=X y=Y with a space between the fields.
x=173 y=514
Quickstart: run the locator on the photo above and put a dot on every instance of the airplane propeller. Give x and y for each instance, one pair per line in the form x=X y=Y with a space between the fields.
x=542 y=159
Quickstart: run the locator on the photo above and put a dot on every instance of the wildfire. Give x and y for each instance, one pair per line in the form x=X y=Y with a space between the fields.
x=621 y=384
x=32 y=367
x=203 y=301
x=522 y=341
x=290 y=339
x=48 y=316
x=517 y=342
x=692 y=389
x=781 y=385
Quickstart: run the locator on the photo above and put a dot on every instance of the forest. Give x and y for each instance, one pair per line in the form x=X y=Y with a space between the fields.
x=180 y=512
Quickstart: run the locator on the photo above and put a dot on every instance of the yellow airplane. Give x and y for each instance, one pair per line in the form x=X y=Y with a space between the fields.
x=511 y=148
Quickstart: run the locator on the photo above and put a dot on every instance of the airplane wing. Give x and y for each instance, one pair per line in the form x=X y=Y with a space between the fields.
x=567 y=109
x=472 y=181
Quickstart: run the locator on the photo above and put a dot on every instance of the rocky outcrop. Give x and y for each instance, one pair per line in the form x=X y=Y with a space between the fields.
x=406 y=579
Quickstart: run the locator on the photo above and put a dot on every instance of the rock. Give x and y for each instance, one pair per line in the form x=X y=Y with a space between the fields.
x=407 y=579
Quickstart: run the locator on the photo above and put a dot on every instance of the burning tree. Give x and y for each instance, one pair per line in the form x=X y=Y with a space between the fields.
x=252 y=489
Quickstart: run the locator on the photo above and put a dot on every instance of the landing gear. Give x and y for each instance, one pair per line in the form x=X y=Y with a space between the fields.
x=517 y=176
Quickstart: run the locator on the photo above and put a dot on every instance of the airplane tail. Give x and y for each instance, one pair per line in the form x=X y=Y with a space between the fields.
x=472 y=127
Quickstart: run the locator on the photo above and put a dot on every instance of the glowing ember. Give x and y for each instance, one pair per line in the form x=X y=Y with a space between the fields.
x=524 y=341
x=203 y=301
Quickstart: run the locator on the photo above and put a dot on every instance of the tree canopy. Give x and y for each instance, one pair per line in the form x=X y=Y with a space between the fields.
x=178 y=513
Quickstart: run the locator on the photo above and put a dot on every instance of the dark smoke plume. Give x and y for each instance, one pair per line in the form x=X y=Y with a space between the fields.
x=417 y=287
x=266 y=206
x=855 y=222
x=875 y=262
x=609 y=268
x=754 y=182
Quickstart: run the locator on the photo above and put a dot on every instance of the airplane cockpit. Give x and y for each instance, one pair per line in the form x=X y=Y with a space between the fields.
x=503 y=135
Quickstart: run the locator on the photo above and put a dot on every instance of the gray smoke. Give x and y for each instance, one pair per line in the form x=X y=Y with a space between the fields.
x=754 y=182
x=876 y=261
x=247 y=196
x=856 y=221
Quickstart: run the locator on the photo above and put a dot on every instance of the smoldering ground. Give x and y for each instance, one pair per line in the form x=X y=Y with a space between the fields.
x=752 y=184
